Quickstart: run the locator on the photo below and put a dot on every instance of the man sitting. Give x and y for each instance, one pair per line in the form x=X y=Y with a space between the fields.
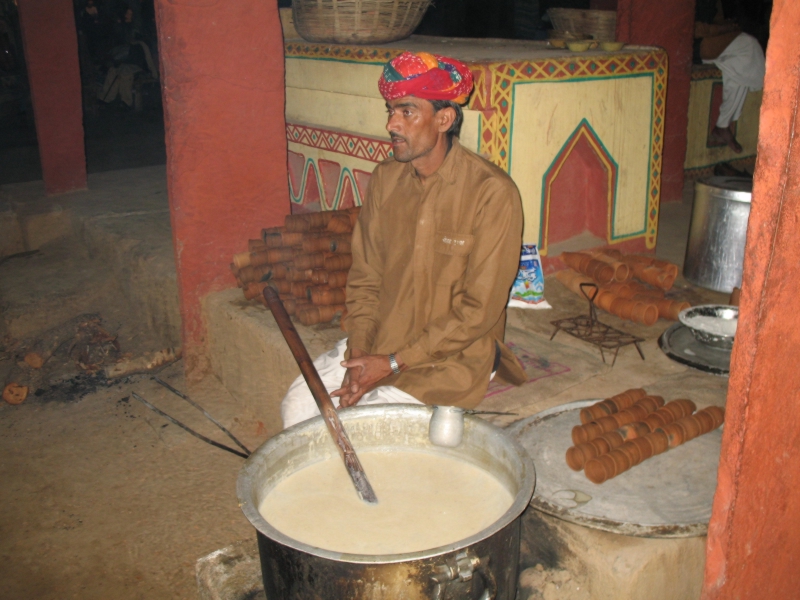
x=435 y=252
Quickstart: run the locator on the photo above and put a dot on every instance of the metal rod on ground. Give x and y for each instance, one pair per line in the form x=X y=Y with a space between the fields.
x=192 y=431
x=321 y=396
x=202 y=410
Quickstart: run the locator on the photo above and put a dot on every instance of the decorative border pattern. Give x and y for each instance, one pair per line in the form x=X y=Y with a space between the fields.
x=361 y=54
x=705 y=71
x=583 y=130
x=494 y=93
x=357 y=146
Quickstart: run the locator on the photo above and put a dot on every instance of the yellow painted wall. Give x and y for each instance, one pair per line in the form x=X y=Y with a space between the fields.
x=697 y=154
x=546 y=114
x=344 y=96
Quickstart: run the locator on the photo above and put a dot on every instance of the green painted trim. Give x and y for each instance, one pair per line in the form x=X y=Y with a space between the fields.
x=341 y=60
x=651 y=75
x=714 y=164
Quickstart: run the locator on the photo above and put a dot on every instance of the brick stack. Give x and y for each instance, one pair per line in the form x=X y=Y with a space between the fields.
x=631 y=427
x=306 y=261
x=614 y=273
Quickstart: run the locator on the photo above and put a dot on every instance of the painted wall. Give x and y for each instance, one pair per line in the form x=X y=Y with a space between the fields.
x=754 y=533
x=51 y=55
x=669 y=24
x=523 y=113
x=223 y=87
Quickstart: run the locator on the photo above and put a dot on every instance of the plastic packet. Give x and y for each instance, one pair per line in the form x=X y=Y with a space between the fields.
x=528 y=288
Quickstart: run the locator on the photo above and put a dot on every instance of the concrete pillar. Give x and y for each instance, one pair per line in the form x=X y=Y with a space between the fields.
x=223 y=85
x=669 y=24
x=754 y=533
x=50 y=40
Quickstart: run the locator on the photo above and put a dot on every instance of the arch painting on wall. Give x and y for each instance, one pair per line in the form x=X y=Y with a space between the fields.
x=579 y=192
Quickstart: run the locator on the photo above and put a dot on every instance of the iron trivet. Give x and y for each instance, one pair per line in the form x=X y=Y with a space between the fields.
x=590 y=330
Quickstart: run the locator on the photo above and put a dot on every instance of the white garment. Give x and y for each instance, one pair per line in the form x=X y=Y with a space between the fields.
x=299 y=405
x=743 y=65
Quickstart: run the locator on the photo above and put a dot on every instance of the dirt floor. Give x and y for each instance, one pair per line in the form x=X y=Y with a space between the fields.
x=100 y=497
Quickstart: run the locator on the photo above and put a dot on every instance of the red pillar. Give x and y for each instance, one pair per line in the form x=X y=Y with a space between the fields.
x=754 y=533
x=51 y=55
x=223 y=85
x=669 y=24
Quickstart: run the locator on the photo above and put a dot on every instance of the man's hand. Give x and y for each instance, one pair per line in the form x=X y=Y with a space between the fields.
x=363 y=373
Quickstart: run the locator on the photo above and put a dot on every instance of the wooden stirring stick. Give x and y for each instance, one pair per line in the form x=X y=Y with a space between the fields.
x=321 y=396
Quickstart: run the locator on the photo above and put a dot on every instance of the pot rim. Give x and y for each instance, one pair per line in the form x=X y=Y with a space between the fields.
x=244 y=489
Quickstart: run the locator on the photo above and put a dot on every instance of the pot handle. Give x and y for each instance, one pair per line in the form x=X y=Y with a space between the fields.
x=461 y=568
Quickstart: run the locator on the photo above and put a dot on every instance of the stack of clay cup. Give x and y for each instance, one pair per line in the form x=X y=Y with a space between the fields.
x=622 y=431
x=306 y=261
x=612 y=273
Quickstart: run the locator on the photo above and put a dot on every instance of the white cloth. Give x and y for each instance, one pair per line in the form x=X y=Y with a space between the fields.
x=299 y=405
x=743 y=65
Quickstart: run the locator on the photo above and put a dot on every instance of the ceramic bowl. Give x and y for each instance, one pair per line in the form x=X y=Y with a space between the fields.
x=611 y=46
x=578 y=46
x=712 y=324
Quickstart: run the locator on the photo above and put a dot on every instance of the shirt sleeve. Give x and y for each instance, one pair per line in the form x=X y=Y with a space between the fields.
x=492 y=267
x=366 y=273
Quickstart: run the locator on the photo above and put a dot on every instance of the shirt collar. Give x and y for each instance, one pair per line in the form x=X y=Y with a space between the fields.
x=448 y=170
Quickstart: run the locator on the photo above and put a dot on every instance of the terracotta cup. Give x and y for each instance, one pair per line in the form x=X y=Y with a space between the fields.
x=622 y=461
x=644 y=446
x=716 y=412
x=613 y=438
x=706 y=422
x=691 y=427
x=634 y=430
x=658 y=441
x=633 y=452
x=595 y=471
x=674 y=434
x=337 y=279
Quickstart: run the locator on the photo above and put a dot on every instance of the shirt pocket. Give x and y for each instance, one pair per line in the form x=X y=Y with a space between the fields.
x=454 y=244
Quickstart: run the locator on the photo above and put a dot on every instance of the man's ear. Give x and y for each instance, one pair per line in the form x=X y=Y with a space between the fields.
x=445 y=118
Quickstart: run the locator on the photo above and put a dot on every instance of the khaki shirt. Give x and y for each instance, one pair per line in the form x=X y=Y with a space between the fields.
x=433 y=264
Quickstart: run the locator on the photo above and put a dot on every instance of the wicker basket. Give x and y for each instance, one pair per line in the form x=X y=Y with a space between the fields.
x=600 y=24
x=357 y=21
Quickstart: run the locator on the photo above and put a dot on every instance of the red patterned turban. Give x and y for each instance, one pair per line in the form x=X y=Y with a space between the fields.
x=427 y=76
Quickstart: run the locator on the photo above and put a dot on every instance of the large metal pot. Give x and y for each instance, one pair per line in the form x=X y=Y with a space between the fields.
x=715 y=252
x=483 y=566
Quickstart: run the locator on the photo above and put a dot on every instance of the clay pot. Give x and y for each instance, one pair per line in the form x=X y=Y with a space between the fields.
x=634 y=430
x=604 y=300
x=322 y=295
x=584 y=433
x=717 y=413
x=241 y=260
x=319 y=276
x=633 y=453
x=574 y=458
x=596 y=472
x=646 y=314
x=283 y=286
x=688 y=406
x=340 y=245
x=706 y=422
x=337 y=279
x=299 y=275
x=594 y=412
x=319 y=220
x=644 y=447
x=339 y=224
x=297 y=223
x=600 y=445
x=309 y=261
x=271 y=231
x=658 y=441
x=655 y=420
x=273 y=240
x=613 y=438
x=608 y=423
x=675 y=435
x=299 y=289
x=338 y=262
x=691 y=427
x=256 y=245
x=254 y=290
x=637 y=412
x=623 y=308
x=318 y=314
x=650 y=403
x=621 y=461
x=675 y=410
x=291 y=239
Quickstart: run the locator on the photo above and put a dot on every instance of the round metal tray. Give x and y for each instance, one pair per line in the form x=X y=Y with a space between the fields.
x=666 y=496
x=680 y=345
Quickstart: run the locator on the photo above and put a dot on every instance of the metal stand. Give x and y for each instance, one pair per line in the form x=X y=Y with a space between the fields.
x=589 y=329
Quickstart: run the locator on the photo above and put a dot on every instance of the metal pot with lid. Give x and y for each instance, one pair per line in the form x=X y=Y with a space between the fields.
x=482 y=566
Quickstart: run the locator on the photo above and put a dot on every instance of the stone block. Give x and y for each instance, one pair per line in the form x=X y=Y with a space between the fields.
x=231 y=573
x=250 y=356
x=612 y=566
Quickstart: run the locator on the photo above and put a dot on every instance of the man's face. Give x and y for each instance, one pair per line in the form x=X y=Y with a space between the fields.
x=413 y=127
